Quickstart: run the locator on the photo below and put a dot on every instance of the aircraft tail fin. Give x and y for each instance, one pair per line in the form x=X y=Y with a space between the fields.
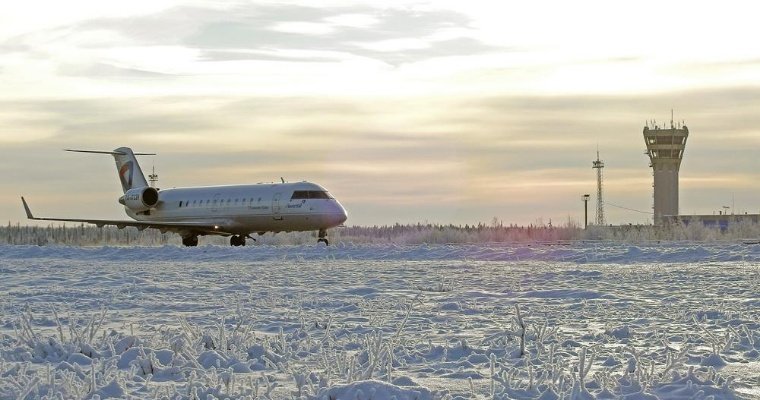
x=130 y=173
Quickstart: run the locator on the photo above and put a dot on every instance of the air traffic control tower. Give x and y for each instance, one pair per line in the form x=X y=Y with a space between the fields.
x=665 y=148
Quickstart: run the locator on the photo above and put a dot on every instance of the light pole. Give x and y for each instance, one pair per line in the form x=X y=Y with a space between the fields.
x=585 y=198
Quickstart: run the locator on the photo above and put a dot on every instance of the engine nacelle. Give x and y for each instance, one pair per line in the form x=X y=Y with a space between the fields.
x=140 y=199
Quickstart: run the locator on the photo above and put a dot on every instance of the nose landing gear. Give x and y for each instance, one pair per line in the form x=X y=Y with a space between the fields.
x=323 y=237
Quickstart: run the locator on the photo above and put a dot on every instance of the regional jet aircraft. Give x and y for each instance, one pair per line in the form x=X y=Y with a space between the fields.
x=236 y=211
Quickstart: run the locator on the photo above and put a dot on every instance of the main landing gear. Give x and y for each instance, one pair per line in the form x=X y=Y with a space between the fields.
x=239 y=240
x=323 y=237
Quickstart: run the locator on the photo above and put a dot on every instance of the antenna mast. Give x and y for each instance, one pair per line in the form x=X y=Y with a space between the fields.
x=598 y=165
x=153 y=177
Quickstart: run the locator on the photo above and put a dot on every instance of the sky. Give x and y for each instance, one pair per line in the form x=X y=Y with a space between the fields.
x=406 y=111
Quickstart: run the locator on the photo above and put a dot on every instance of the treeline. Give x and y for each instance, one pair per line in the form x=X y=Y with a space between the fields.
x=90 y=235
x=480 y=233
x=83 y=235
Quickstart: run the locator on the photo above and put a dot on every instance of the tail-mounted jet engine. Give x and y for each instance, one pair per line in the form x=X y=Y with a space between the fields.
x=140 y=199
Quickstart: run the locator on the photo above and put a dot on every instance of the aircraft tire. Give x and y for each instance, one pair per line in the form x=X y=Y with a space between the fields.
x=323 y=237
x=237 y=240
x=190 y=241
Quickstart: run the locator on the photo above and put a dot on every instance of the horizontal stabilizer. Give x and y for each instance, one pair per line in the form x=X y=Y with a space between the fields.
x=113 y=153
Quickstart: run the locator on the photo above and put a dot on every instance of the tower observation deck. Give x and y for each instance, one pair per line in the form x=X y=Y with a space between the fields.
x=665 y=147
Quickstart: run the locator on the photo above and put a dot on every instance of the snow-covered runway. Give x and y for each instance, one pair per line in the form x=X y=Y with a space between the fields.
x=671 y=320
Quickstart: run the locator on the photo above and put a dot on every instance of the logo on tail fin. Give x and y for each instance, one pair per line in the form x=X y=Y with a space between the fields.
x=125 y=174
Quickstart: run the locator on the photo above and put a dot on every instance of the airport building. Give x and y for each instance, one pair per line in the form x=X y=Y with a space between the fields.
x=721 y=220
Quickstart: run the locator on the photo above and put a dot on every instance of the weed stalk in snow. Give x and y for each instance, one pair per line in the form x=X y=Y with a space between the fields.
x=521 y=324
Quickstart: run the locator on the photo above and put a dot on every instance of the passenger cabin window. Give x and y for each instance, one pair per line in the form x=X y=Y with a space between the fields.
x=310 y=194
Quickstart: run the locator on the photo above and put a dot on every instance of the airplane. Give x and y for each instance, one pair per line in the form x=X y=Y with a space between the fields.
x=236 y=211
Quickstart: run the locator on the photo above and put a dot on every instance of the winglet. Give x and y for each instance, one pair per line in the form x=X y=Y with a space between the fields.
x=26 y=208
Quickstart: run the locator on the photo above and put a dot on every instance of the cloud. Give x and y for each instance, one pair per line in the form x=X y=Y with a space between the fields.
x=251 y=31
x=107 y=71
x=269 y=55
x=14 y=45
x=96 y=121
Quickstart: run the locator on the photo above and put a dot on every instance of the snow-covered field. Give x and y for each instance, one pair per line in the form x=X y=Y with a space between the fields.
x=381 y=321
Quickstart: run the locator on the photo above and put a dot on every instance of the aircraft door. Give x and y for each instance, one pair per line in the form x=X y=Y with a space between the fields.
x=276 y=206
x=216 y=202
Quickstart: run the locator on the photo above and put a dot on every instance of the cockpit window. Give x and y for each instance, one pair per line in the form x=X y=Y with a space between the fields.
x=315 y=194
x=310 y=194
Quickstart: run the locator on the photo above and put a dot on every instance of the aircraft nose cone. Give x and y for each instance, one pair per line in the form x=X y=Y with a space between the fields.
x=342 y=215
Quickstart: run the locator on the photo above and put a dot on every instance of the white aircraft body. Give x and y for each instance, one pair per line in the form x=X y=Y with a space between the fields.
x=236 y=211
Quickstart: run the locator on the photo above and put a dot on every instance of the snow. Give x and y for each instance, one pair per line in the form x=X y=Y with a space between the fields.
x=372 y=389
x=603 y=320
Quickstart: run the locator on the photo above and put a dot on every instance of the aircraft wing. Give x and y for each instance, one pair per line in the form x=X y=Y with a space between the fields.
x=178 y=227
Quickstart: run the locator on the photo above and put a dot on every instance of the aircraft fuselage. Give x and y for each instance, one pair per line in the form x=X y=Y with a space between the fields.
x=242 y=209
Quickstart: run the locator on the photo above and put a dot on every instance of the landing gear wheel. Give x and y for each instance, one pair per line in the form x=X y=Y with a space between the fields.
x=323 y=237
x=190 y=241
x=237 y=240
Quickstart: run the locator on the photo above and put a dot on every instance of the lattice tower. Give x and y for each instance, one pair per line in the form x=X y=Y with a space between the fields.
x=598 y=165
